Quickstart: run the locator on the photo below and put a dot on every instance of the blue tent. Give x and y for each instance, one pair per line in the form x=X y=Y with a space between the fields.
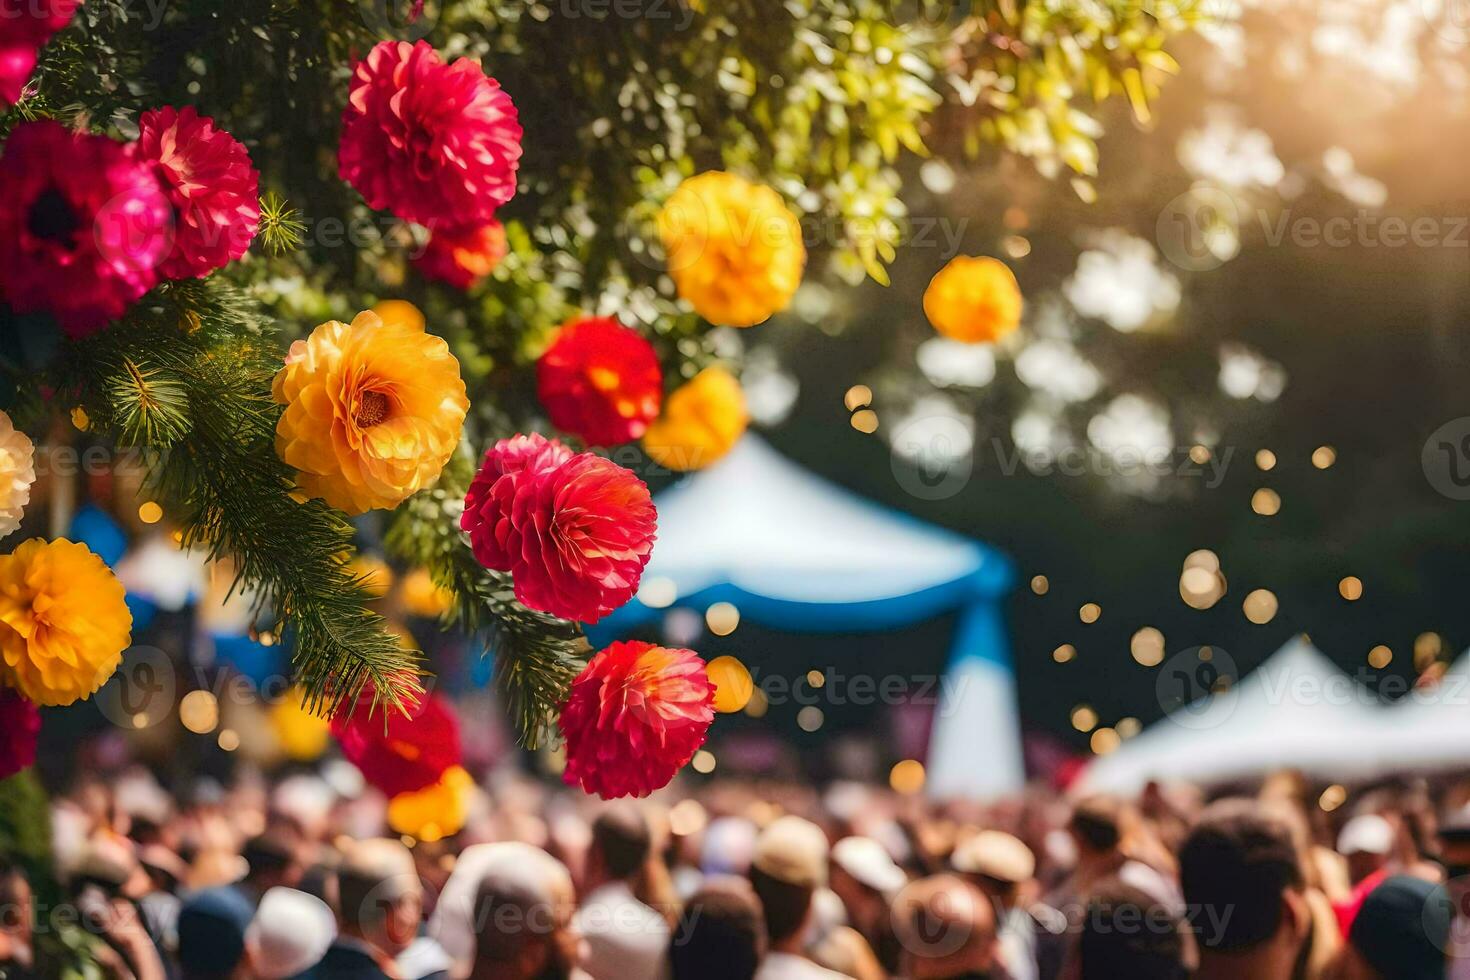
x=794 y=552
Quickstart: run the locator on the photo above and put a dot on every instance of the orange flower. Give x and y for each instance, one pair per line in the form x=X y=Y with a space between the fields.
x=63 y=622
x=436 y=811
x=974 y=300
x=734 y=248
x=373 y=411
x=701 y=422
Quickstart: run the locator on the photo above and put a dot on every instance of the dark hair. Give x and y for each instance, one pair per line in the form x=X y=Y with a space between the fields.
x=268 y=854
x=1239 y=858
x=1128 y=933
x=507 y=918
x=783 y=904
x=1095 y=822
x=722 y=934
x=621 y=836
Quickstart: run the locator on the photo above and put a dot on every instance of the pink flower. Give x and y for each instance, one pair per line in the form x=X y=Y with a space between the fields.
x=434 y=143
x=20 y=723
x=635 y=716
x=600 y=380
x=83 y=226
x=211 y=184
x=26 y=26
x=574 y=531
x=463 y=256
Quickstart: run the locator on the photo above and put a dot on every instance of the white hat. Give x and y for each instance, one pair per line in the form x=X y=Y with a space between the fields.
x=867 y=861
x=289 y=934
x=1366 y=834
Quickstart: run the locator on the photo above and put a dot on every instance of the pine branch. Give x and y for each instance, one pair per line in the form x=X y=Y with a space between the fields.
x=201 y=396
x=536 y=655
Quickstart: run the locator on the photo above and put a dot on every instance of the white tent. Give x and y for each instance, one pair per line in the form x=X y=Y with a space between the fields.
x=1296 y=710
x=1428 y=729
x=794 y=552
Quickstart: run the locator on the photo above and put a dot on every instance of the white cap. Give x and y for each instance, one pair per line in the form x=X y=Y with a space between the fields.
x=1367 y=834
x=289 y=934
x=867 y=861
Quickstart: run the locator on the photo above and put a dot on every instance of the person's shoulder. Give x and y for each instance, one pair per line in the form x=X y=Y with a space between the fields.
x=783 y=966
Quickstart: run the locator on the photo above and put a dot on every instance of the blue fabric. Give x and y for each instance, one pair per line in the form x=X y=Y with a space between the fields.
x=143 y=611
x=980 y=632
x=249 y=658
x=93 y=527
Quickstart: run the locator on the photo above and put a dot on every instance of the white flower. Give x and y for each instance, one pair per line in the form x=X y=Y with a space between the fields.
x=1119 y=281
x=17 y=473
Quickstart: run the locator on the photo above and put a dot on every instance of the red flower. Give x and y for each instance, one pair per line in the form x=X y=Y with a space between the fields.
x=600 y=380
x=636 y=715
x=83 y=226
x=434 y=143
x=574 y=531
x=211 y=184
x=399 y=751
x=463 y=256
x=20 y=723
x=25 y=26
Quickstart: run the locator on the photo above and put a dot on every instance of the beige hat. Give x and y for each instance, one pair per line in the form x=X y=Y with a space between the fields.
x=793 y=850
x=867 y=861
x=995 y=855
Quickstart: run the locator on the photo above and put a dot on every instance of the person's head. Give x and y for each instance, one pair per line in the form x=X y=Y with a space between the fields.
x=16 y=914
x=1401 y=931
x=273 y=860
x=1096 y=826
x=1366 y=841
x=864 y=876
x=620 y=845
x=525 y=926
x=289 y=934
x=722 y=934
x=506 y=913
x=1129 y=933
x=1242 y=879
x=1454 y=844
x=789 y=865
x=212 y=926
x=946 y=927
x=996 y=863
x=379 y=895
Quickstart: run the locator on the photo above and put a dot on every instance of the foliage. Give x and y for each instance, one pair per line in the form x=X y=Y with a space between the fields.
x=824 y=100
x=187 y=374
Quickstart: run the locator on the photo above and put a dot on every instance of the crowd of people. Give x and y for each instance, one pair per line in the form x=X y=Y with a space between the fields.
x=295 y=878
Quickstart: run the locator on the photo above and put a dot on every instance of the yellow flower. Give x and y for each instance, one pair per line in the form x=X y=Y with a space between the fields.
x=422 y=597
x=63 y=622
x=302 y=735
x=974 y=300
x=17 y=473
x=436 y=811
x=375 y=573
x=701 y=422
x=373 y=411
x=734 y=248
x=400 y=311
